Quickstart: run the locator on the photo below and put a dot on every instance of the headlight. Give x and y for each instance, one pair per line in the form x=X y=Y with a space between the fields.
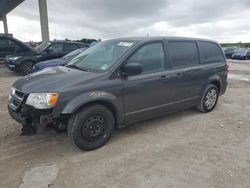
x=42 y=100
x=14 y=58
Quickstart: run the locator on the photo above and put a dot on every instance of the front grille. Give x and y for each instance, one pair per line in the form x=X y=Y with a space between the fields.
x=17 y=99
x=16 y=103
x=19 y=94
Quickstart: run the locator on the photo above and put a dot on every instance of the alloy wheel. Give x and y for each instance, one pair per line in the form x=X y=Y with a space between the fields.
x=211 y=99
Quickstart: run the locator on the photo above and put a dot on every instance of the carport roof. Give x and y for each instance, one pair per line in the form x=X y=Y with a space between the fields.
x=8 y=5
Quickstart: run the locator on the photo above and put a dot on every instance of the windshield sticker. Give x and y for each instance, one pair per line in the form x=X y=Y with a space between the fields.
x=126 y=44
x=104 y=67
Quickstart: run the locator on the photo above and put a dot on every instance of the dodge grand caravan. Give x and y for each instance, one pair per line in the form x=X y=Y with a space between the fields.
x=119 y=82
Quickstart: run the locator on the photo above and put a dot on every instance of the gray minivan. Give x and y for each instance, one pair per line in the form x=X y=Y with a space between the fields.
x=118 y=82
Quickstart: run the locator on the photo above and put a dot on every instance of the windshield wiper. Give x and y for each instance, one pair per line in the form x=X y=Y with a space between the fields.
x=76 y=67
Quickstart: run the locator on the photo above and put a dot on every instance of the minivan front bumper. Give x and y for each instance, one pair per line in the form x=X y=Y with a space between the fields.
x=17 y=116
x=23 y=113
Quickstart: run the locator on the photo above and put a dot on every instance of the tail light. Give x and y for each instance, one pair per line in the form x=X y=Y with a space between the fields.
x=227 y=70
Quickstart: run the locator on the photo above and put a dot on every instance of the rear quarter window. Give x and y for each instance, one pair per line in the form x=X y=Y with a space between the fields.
x=210 y=52
x=183 y=53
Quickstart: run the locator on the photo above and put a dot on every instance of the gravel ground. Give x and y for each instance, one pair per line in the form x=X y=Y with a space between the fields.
x=185 y=149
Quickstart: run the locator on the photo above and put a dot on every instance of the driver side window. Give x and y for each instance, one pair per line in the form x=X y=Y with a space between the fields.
x=57 y=47
x=150 y=57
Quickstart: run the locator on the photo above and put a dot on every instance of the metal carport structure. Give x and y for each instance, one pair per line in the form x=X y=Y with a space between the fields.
x=7 y=6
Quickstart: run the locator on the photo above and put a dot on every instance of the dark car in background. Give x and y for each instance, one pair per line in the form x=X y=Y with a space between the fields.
x=242 y=54
x=57 y=62
x=11 y=46
x=119 y=82
x=229 y=52
x=45 y=51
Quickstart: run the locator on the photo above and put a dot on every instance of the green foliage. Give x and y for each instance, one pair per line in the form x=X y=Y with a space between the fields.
x=239 y=45
x=87 y=41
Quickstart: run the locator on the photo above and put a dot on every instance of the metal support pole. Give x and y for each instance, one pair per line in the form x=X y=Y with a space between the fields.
x=44 y=20
x=5 y=24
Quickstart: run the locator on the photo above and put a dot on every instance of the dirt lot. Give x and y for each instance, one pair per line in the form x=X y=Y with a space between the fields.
x=186 y=149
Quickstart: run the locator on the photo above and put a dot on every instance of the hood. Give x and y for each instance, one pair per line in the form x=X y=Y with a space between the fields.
x=51 y=63
x=54 y=79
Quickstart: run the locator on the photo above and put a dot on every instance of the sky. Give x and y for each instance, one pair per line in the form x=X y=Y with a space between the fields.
x=221 y=20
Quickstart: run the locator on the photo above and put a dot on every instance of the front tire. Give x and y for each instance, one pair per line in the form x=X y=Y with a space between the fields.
x=209 y=99
x=91 y=127
x=26 y=67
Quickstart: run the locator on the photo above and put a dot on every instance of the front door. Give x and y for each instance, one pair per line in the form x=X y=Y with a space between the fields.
x=143 y=93
x=52 y=52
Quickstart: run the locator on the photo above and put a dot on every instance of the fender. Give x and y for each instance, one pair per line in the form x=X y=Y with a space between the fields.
x=99 y=96
x=213 y=78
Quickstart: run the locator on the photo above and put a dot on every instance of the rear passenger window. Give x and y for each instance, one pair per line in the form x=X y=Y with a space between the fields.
x=210 y=52
x=183 y=53
x=151 y=57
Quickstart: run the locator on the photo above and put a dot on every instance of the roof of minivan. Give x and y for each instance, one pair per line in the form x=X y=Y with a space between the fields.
x=163 y=37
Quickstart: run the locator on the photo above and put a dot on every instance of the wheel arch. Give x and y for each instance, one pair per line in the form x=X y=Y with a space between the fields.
x=217 y=83
x=102 y=102
x=26 y=60
x=215 y=80
x=106 y=99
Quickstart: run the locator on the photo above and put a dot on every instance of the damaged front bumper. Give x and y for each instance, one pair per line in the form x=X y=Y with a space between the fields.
x=25 y=114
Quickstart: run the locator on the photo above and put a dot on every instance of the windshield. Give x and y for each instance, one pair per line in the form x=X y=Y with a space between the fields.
x=43 y=46
x=101 y=56
x=73 y=54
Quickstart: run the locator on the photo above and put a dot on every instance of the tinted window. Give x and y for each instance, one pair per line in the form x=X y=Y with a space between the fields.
x=183 y=53
x=5 y=46
x=70 y=47
x=4 y=42
x=151 y=58
x=211 y=52
x=43 y=46
x=57 y=47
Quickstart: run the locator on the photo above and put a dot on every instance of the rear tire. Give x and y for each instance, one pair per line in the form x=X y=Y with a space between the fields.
x=91 y=127
x=26 y=67
x=209 y=99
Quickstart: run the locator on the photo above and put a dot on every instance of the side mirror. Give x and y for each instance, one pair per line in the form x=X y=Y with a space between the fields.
x=131 y=69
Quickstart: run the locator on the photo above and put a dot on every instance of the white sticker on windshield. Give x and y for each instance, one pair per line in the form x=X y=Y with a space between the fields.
x=104 y=67
x=126 y=44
